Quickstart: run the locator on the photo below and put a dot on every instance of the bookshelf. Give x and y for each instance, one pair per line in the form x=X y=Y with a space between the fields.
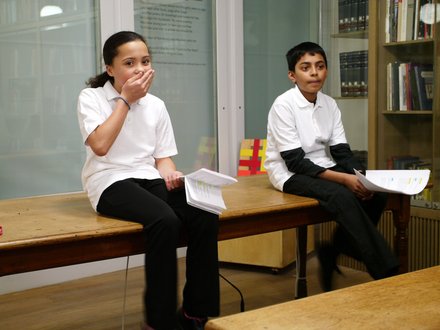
x=344 y=36
x=413 y=132
x=403 y=132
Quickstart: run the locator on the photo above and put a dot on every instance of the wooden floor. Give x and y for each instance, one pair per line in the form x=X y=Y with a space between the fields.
x=96 y=303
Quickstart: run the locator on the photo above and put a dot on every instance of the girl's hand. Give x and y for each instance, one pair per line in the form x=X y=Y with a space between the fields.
x=137 y=86
x=173 y=180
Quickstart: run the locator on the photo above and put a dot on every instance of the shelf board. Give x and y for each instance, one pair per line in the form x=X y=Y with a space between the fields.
x=351 y=35
x=408 y=43
x=408 y=113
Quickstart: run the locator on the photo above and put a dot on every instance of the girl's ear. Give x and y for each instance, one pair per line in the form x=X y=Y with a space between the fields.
x=291 y=76
x=109 y=70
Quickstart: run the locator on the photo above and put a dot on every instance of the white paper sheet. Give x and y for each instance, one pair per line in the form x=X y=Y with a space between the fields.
x=408 y=182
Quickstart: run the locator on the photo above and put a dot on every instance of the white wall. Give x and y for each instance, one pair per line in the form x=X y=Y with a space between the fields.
x=25 y=281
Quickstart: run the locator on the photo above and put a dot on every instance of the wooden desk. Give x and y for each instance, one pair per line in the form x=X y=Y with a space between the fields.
x=408 y=301
x=60 y=230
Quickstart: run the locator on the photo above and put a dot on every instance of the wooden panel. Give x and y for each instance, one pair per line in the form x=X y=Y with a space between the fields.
x=274 y=250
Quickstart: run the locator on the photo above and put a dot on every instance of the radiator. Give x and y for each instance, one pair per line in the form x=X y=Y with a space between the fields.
x=423 y=239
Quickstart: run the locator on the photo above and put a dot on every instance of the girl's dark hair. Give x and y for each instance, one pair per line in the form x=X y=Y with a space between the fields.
x=110 y=51
x=294 y=54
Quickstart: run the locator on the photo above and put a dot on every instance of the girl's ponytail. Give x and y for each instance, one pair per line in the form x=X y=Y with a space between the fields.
x=99 y=80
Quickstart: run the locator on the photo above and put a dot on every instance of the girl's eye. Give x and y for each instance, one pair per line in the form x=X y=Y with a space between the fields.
x=146 y=62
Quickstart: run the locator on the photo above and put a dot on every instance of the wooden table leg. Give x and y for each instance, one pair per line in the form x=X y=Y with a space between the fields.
x=401 y=217
x=301 y=262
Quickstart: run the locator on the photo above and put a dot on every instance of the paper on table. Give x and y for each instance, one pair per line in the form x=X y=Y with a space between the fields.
x=203 y=190
x=408 y=182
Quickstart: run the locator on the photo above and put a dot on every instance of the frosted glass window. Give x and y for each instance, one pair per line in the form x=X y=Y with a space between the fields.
x=271 y=28
x=180 y=38
x=47 y=52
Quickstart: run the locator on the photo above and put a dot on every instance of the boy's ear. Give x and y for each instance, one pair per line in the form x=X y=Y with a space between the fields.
x=291 y=76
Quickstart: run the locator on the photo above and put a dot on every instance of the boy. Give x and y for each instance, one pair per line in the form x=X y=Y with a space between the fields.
x=308 y=155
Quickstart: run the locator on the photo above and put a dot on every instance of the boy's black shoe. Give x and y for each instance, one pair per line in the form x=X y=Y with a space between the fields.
x=187 y=323
x=327 y=260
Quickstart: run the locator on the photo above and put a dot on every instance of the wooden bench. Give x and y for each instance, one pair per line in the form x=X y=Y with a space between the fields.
x=408 y=301
x=59 y=230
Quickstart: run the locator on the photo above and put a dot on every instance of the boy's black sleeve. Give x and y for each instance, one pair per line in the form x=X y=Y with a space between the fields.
x=344 y=157
x=296 y=163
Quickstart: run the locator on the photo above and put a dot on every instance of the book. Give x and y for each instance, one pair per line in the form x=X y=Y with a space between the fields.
x=402 y=87
x=394 y=19
x=395 y=104
x=353 y=15
x=341 y=15
x=416 y=19
x=410 y=13
x=356 y=72
x=415 y=99
x=351 y=73
x=408 y=182
x=203 y=189
x=363 y=15
x=343 y=68
x=424 y=82
x=389 y=21
x=363 y=73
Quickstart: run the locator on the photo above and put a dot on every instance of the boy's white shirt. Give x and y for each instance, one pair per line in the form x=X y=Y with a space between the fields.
x=294 y=122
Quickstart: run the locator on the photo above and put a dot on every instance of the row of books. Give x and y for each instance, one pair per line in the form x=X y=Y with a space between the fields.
x=354 y=73
x=409 y=86
x=405 y=162
x=409 y=20
x=353 y=15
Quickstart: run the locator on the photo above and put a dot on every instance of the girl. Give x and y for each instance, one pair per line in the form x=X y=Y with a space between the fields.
x=129 y=174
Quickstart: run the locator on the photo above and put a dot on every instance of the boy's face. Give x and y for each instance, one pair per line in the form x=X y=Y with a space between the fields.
x=309 y=75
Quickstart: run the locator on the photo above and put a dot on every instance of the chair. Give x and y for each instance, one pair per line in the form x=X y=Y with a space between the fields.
x=252 y=156
x=274 y=250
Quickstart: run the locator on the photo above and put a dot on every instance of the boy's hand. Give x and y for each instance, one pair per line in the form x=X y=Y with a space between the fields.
x=358 y=188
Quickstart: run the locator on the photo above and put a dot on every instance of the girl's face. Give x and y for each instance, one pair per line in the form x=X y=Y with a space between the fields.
x=132 y=58
x=309 y=75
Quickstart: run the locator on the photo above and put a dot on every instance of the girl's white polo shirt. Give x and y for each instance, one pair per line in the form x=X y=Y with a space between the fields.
x=147 y=134
x=294 y=122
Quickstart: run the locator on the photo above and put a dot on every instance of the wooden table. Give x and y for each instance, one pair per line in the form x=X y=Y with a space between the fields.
x=407 y=301
x=59 y=230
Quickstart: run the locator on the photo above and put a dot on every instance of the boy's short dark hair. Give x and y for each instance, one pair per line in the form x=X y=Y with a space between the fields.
x=295 y=53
